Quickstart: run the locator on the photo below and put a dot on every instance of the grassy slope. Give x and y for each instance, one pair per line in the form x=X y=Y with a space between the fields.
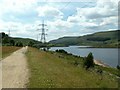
x=7 y=50
x=25 y=41
x=108 y=34
x=49 y=70
x=82 y=40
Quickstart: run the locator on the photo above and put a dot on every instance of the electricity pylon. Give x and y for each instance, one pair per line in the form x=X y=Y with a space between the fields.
x=43 y=34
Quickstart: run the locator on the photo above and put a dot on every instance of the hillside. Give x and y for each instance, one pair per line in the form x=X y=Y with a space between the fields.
x=6 y=40
x=99 y=39
x=25 y=41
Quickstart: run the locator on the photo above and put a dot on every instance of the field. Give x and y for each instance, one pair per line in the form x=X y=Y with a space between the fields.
x=55 y=70
x=7 y=50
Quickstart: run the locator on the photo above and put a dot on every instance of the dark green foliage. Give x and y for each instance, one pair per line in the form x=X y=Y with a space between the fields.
x=44 y=49
x=31 y=43
x=89 y=62
x=19 y=44
x=61 y=51
x=2 y=35
x=5 y=40
x=12 y=42
x=98 y=38
x=118 y=67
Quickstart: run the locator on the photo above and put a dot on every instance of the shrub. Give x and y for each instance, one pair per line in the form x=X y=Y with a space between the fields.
x=31 y=43
x=19 y=44
x=89 y=62
x=61 y=51
x=12 y=42
x=118 y=67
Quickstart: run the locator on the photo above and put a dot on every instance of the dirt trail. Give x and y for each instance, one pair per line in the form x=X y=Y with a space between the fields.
x=14 y=70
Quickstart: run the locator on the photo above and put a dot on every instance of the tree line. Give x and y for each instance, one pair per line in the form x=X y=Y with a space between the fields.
x=9 y=41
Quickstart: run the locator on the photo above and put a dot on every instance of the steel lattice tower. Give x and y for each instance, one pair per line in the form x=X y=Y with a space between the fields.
x=43 y=34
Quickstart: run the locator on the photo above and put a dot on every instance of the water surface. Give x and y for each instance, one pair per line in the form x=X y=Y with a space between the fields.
x=107 y=55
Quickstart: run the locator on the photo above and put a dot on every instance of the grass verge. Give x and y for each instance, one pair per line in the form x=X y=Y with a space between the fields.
x=7 y=50
x=55 y=70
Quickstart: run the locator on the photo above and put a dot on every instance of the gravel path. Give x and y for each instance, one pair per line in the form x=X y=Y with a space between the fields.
x=14 y=70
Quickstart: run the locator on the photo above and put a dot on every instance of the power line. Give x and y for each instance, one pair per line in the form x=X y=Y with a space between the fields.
x=66 y=5
x=43 y=33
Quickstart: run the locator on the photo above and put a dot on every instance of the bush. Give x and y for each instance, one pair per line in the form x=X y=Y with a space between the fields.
x=31 y=43
x=61 y=51
x=89 y=62
x=12 y=42
x=118 y=67
x=19 y=44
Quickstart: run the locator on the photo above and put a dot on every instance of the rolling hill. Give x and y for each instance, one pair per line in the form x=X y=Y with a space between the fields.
x=99 y=39
x=25 y=41
x=6 y=40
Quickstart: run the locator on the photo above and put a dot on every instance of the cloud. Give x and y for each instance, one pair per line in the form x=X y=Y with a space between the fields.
x=49 y=12
x=111 y=20
x=19 y=29
x=101 y=17
x=73 y=19
x=23 y=17
x=17 y=6
x=103 y=9
x=14 y=10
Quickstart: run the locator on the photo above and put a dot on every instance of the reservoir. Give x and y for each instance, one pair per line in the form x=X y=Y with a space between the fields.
x=108 y=56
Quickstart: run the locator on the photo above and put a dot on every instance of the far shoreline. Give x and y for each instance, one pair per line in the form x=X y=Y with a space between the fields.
x=85 y=46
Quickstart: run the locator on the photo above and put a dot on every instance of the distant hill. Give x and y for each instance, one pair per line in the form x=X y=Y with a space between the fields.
x=17 y=41
x=25 y=41
x=99 y=39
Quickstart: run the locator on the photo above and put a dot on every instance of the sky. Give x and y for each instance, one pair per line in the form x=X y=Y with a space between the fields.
x=63 y=17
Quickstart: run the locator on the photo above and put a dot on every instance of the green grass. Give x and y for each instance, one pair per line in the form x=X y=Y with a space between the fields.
x=113 y=71
x=85 y=40
x=25 y=41
x=7 y=50
x=48 y=70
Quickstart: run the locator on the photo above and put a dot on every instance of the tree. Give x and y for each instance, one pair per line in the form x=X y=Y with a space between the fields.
x=30 y=43
x=3 y=34
x=5 y=40
x=19 y=44
x=89 y=62
x=12 y=42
